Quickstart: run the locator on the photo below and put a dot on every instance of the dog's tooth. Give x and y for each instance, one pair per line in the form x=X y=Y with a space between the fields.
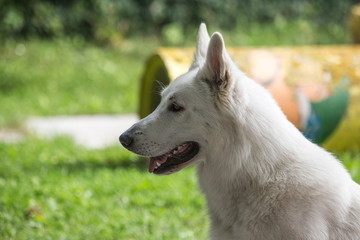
x=157 y=164
x=175 y=151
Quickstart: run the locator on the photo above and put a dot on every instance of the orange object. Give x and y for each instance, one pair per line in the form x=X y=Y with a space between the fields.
x=317 y=87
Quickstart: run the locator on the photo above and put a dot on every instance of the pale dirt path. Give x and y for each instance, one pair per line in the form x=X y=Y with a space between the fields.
x=90 y=131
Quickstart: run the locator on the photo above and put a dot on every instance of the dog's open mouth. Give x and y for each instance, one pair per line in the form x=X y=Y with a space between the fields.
x=181 y=154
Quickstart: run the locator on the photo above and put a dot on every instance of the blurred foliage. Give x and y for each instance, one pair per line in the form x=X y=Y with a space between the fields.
x=105 y=21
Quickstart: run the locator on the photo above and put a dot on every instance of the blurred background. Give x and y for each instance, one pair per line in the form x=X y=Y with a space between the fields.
x=110 y=21
x=51 y=49
x=67 y=57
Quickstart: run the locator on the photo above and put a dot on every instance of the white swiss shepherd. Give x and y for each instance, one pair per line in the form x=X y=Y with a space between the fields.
x=261 y=177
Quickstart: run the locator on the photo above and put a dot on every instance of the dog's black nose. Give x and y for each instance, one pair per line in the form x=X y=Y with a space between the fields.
x=125 y=139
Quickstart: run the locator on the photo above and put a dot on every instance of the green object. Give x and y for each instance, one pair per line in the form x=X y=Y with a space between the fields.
x=150 y=89
x=331 y=111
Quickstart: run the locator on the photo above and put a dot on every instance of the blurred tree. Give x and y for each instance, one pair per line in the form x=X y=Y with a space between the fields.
x=106 y=20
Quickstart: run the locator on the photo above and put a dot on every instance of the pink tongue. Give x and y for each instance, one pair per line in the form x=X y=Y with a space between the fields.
x=154 y=160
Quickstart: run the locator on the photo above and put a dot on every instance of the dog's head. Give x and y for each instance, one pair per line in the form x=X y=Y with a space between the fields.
x=186 y=124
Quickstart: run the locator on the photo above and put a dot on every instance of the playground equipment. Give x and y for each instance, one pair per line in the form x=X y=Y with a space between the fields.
x=317 y=87
x=355 y=23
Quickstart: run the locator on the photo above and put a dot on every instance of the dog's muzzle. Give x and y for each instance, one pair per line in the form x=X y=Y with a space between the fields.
x=126 y=139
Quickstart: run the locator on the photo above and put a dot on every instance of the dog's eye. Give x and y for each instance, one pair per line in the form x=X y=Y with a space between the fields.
x=174 y=107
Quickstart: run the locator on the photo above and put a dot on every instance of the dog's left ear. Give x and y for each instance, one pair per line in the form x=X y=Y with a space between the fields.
x=216 y=62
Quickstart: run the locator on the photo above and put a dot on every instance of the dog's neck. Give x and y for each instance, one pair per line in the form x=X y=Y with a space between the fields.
x=254 y=148
x=264 y=139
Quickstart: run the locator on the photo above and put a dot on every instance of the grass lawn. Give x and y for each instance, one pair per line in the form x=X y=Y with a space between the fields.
x=69 y=77
x=56 y=190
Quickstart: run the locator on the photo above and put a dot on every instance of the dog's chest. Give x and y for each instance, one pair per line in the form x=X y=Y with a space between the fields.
x=236 y=209
x=227 y=203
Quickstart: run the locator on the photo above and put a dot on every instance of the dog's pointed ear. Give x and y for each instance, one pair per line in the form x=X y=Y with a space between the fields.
x=201 y=46
x=203 y=40
x=216 y=62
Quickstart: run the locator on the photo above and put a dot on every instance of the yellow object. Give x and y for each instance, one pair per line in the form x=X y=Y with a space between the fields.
x=355 y=23
x=324 y=79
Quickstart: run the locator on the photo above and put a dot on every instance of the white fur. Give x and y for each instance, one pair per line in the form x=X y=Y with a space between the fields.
x=261 y=178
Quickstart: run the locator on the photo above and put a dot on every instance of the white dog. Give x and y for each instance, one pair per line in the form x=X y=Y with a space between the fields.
x=261 y=177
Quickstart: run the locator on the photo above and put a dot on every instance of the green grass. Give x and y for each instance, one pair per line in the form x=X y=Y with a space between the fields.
x=281 y=32
x=68 y=77
x=56 y=190
x=351 y=160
